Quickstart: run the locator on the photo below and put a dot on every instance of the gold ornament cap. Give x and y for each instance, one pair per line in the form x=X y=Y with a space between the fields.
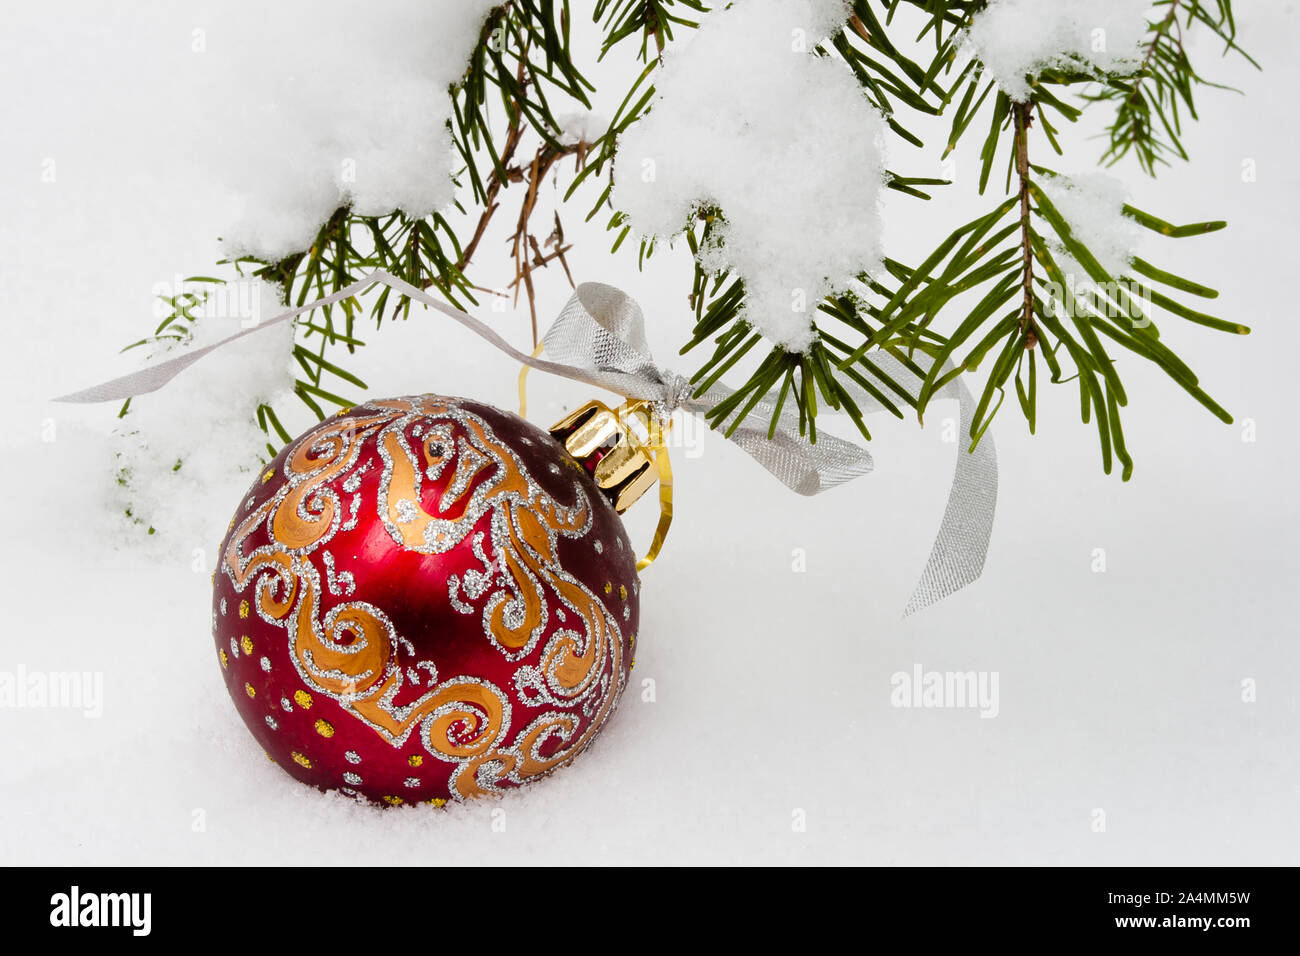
x=606 y=442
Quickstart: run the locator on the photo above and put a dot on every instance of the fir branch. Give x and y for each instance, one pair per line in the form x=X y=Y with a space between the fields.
x=511 y=146
x=1148 y=106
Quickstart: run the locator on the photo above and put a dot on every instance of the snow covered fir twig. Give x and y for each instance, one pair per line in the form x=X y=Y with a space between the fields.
x=744 y=120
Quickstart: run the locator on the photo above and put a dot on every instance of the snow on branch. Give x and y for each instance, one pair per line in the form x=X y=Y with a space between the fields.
x=297 y=134
x=1017 y=39
x=781 y=142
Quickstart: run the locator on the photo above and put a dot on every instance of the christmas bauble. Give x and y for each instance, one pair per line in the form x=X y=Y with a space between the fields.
x=425 y=599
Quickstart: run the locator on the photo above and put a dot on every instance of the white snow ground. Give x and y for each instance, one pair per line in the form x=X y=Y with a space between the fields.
x=1119 y=691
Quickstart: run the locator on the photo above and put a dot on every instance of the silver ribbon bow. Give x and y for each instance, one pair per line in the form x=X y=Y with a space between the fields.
x=599 y=339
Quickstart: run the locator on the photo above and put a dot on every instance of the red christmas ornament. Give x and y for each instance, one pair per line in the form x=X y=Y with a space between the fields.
x=427 y=599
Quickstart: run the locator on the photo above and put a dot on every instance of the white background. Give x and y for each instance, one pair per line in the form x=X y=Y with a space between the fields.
x=1119 y=691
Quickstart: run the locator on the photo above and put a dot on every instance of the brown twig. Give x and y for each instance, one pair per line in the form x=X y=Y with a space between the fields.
x=543 y=160
x=556 y=241
x=513 y=136
x=1023 y=116
x=509 y=171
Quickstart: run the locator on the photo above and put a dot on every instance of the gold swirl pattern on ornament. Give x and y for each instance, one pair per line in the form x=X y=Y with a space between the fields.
x=354 y=654
x=309 y=512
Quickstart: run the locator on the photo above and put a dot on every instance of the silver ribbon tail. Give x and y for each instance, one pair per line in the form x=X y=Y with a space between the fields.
x=960 y=547
x=599 y=339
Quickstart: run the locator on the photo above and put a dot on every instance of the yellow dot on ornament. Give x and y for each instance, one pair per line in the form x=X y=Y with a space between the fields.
x=248 y=689
x=302 y=699
x=622 y=592
x=438 y=802
x=393 y=801
x=243 y=609
x=415 y=760
x=246 y=643
x=609 y=587
x=267 y=477
x=300 y=760
x=324 y=728
x=225 y=661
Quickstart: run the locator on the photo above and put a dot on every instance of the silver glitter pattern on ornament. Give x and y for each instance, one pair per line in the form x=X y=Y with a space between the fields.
x=460 y=719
